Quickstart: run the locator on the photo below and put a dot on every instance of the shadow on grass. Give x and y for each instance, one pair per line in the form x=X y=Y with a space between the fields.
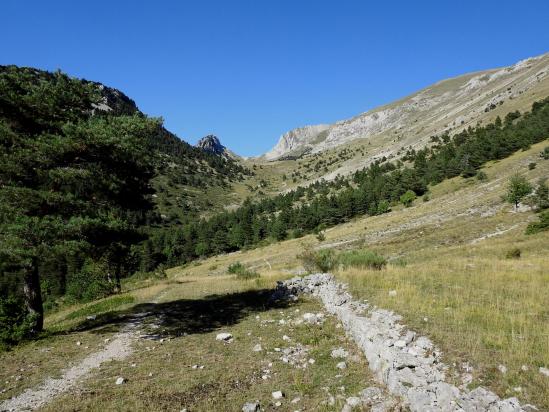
x=185 y=316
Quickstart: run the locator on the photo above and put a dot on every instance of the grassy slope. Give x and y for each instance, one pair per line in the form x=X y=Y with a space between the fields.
x=480 y=307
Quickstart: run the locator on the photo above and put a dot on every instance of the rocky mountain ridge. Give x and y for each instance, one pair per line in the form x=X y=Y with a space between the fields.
x=447 y=106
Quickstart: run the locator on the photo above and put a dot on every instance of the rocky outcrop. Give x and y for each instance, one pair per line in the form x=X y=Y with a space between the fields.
x=211 y=144
x=447 y=106
x=408 y=364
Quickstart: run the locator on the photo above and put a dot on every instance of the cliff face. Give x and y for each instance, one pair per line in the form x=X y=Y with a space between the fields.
x=445 y=106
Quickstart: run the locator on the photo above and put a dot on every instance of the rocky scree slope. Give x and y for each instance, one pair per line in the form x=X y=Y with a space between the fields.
x=447 y=106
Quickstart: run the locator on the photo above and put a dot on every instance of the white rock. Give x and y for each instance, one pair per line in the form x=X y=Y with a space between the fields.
x=120 y=381
x=524 y=368
x=392 y=293
x=251 y=407
x=286 y=338
x=78 y=343
x=400 y=344
x=339 y=353
x=354 y=401
x=544 y=371
x=502 y=369
x=257 y=348
x=224 y=336
x=277 y=404
x=296 y=400
x=341 y=365
x=311 y=361
x=277 y=395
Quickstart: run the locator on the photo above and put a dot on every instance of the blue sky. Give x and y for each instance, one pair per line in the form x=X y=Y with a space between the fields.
x=248 y=71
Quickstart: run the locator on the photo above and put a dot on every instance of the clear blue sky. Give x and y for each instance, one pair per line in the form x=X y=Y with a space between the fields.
x=248 y=71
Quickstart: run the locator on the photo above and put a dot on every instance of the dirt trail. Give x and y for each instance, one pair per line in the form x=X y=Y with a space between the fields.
x=117 y=348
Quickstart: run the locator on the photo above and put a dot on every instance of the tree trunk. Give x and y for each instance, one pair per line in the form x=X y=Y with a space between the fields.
x=33 y=296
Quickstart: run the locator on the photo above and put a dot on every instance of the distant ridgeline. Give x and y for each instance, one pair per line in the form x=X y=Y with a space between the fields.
x=371 y=190
x=79 y=167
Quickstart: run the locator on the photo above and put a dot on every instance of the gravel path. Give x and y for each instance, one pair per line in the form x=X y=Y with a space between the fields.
x=117 y=348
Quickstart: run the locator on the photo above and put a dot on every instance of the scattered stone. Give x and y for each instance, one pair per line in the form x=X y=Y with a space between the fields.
x=353 y=401
x=251 y=407
x=78 y=343
x=120 y=381
x=257 y=348
x=277 y=395
x=311 y=361
x=339 y=353
x=296 y=400
x=277 y=404
x=502 y=369
x=412 y=370
x=224 y=337
x=544 y=371
x=341 y=365
x=286 y=338
x=524 y=368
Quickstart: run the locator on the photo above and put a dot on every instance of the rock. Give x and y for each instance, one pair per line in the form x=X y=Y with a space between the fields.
x=339 y=353
x=341 y=365
x=251 y=407
x=544 y=371
x=277 y=395
x=277 y=404
x=286 y=338
x=370 y=394
x=353 y=401
x=502 y=369
x=225 y=337
x=211 y=144
x=257 y=348
x=120 y=381
x=295 y=400
x=400 y=344
x=392 y=293
x=78 y=343
x=524 y=368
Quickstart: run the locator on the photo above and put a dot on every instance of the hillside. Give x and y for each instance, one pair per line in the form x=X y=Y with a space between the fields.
x=160 y=276
x=448 y=106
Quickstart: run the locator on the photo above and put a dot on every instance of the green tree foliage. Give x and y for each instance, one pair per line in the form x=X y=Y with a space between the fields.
x=517 y=189
x=408 y=198
x=73 y=185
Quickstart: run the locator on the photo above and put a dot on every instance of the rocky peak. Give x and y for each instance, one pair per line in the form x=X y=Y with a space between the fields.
x=211 y=144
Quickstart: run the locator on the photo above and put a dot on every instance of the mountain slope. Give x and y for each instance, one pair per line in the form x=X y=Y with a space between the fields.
x=447 y=106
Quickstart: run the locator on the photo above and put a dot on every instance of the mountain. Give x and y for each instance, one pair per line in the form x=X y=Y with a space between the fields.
x=211 y=144
x=447 y=106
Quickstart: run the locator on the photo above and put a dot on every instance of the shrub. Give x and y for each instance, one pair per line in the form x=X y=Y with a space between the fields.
x=544 y=154
x=407 y=198
x=383 y=207
x=362 y=259
x=242 y=272
x=513 y=253
x=318 y=261
x=531 y=166
x=482 y=176
x=235 y=268
x=539 y=226
x=321 y=237
x=15 y=322
x=89 y=284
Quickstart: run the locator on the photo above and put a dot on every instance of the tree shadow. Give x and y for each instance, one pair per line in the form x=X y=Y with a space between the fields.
x=184 y=316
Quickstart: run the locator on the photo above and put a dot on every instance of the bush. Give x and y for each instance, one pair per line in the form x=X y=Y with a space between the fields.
x=531 y=166
x=235 y=268
x=362 y=259
x=540 y=226
x=482 y=176
x=544 y=154
x=89 y=284
x=383 y=207
x=15 y=322
x=407 y=198
x=513 y=253
x=242 y=272
x=321 y=237
x=318 y=261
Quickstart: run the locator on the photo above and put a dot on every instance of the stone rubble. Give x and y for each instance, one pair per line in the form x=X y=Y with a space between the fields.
x=409 y=365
